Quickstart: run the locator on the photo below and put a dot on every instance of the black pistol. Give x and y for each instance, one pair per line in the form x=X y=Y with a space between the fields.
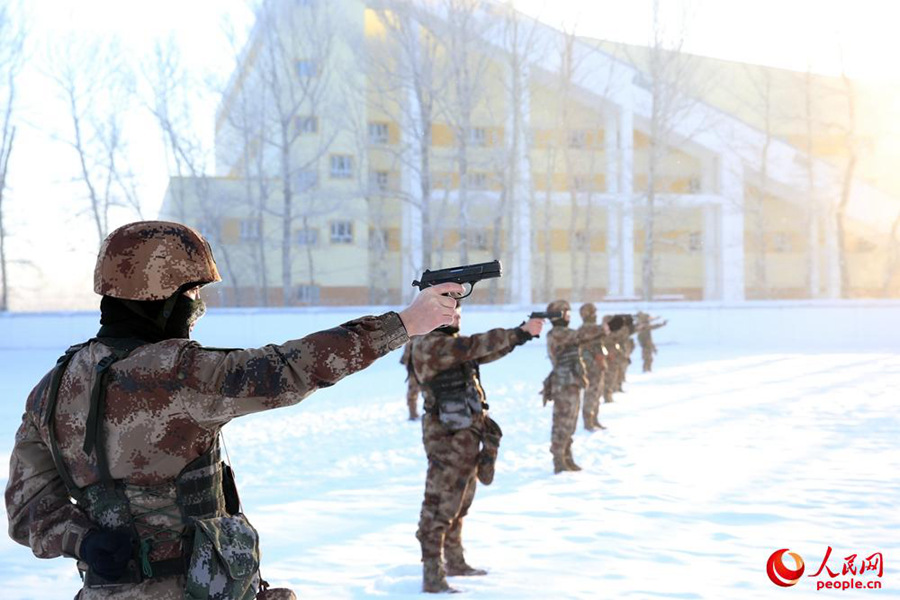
x=467 y=275
x=557 y=314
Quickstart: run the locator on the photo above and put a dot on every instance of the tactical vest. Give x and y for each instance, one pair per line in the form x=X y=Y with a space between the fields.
x=220 y=549
x=569 y=368
x=456 y=396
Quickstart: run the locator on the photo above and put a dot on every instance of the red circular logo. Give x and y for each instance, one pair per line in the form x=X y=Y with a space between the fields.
x=780 y=573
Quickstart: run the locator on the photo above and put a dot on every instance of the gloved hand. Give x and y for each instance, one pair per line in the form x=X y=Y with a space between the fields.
x=106 y=552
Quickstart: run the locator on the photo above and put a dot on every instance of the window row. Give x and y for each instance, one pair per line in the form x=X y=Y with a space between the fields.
x=341 y=232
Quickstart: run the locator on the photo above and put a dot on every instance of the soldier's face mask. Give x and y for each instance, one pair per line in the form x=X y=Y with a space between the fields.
x=185 y=314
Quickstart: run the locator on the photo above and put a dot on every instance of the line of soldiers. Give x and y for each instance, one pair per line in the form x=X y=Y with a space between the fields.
x=462 y=442
x=118 y=460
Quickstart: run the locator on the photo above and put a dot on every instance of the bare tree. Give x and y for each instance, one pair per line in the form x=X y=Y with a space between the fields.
x=673 y=85
x=762 y=102
x=840 y=213
x=404 y=75
x=172 y=102
x=812 y=206
x=12 y=43
x=519 y=33
x=97 y=86
x=466 y=65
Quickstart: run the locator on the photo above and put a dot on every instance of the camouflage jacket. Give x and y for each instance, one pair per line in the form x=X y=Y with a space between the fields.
x=592 y=351
x=165 y=405
x=438 y=352
x=645 y=337
x=563 y=347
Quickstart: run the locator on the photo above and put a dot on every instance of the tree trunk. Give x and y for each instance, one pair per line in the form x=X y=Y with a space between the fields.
x=5 y=152
x=287 y=220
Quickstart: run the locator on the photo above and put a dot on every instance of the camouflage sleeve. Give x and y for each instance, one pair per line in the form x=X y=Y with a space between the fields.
x=240 y=382
x=442 y=351
x=40 y=513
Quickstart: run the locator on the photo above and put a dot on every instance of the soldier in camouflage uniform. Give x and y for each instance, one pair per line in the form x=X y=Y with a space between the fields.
x=564 y=384
x=611 y=350
x=412 y=386
x=645 y=339
x=594 y=357
x=116 y=463
x=461 y=441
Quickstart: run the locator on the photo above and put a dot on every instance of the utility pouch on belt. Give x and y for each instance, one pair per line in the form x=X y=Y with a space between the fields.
x=490 y=447
x=224 y=563
x=547 y=390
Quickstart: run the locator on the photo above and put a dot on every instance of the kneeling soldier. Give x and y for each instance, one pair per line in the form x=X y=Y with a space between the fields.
x=461 y=441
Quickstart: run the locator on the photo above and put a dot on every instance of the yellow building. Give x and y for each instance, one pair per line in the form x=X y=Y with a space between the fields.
x=360 y=143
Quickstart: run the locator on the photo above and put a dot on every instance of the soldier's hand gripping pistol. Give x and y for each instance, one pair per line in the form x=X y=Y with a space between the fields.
x=467 y=276
x=557 y=314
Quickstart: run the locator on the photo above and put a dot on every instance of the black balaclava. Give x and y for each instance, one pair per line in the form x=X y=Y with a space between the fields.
x=144 y=319
x=559 y=322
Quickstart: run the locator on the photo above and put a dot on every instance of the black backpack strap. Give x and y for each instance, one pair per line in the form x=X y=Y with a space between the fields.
x=93 y=431
x=49 y=413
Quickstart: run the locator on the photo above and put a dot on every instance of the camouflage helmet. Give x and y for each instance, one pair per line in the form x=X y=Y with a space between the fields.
x=558 y=306
x=588 y=312
x=152 y=260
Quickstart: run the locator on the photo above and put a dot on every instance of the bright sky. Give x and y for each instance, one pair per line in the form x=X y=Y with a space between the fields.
x=46 y=221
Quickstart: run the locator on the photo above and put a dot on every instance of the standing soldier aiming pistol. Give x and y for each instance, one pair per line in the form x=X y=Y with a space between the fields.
x=117 y=460
x=644 y=326
x=461 y=440
x=594 y=357
x=563 y=386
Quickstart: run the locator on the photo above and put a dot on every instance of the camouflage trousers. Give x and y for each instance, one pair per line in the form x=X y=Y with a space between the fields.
x=647 y=355
x=449 y=484
x=565 y=419
x=412 y=397
x=591 y=408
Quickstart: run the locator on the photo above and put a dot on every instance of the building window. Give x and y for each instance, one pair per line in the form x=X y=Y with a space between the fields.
x=306 y=180
x=378 y=133
x=307 y=294
x=380 y=180
x=342 y=232
x=477 y=181
x=695 y=185
x=341 y=166
x=306 y=124
x=306 y=68
x=695 y=241
x=251 y=229
x=307 y=237
x=478 y=136
x=782 y=242
x=577 y=138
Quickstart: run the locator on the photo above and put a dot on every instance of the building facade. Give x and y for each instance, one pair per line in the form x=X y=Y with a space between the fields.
x=360 y=143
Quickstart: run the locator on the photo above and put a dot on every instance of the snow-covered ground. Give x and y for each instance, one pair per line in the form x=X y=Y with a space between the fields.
x=763 y=426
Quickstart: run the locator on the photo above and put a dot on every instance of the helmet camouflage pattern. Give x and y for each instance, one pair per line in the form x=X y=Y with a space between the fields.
x=152 y=260
x=558 y=306
x=588 y=311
